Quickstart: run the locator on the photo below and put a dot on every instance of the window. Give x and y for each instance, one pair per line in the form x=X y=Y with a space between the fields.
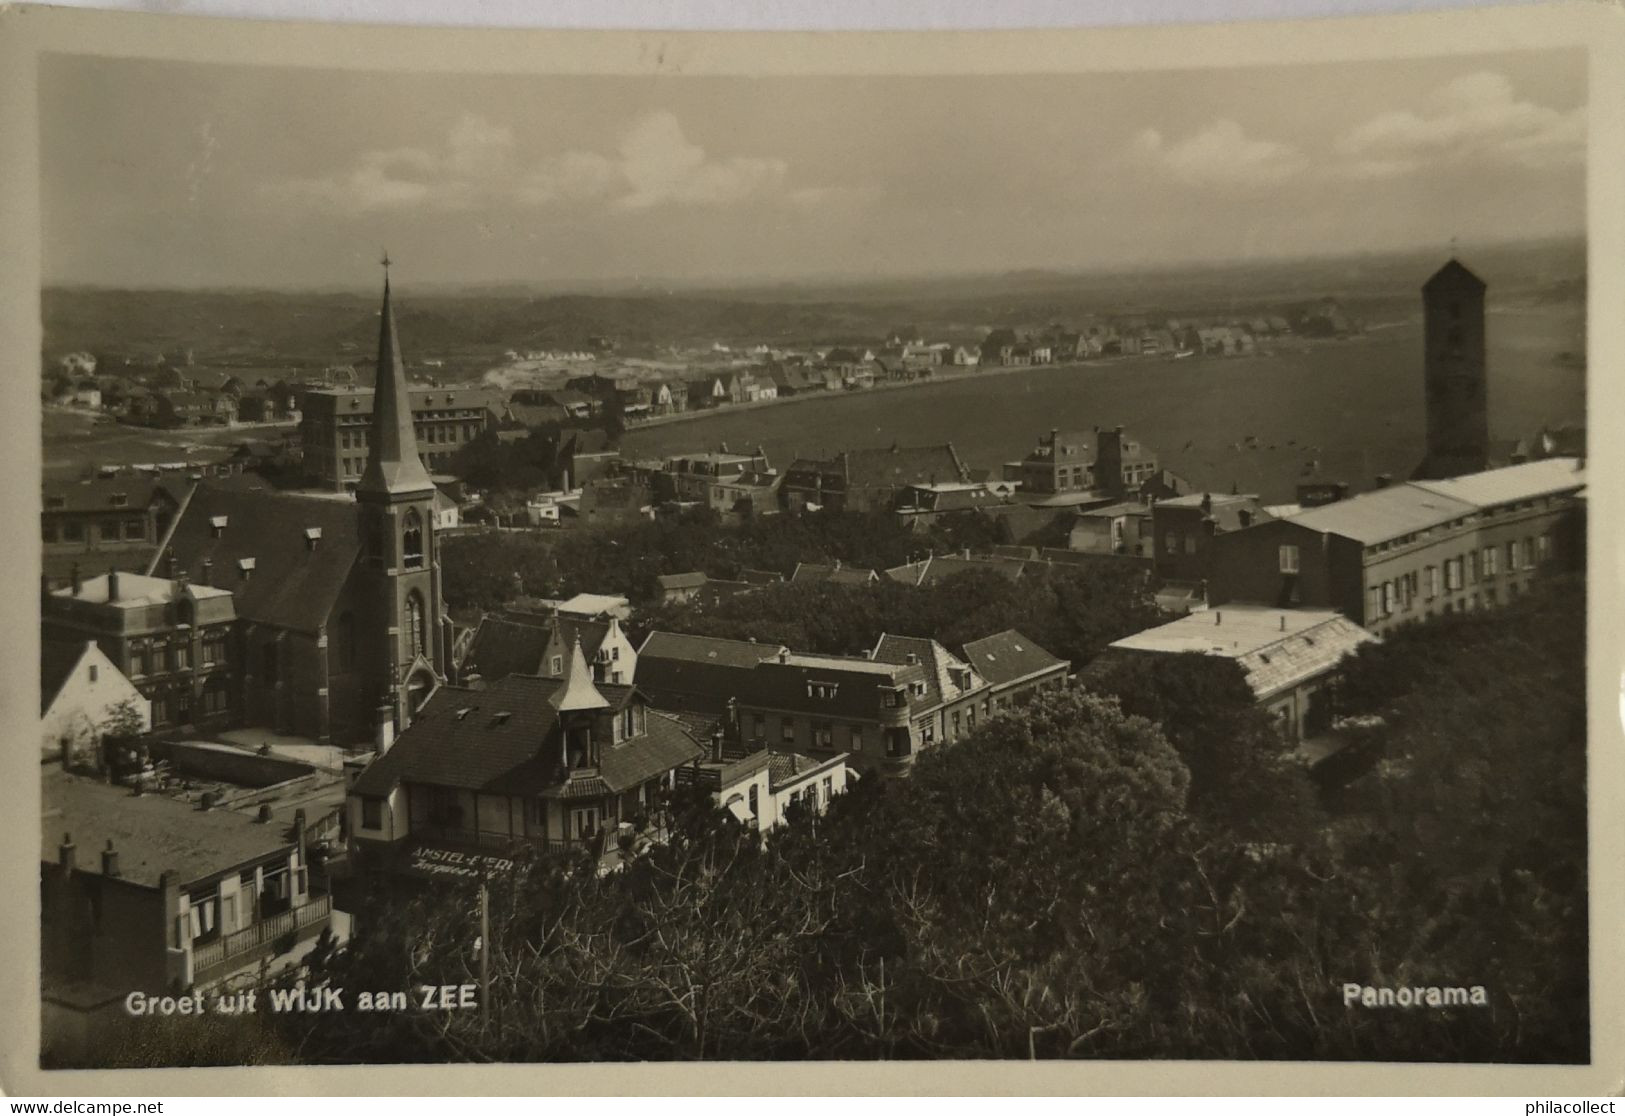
x=1543 y=548
x=1373 y=606
x=754 y=798
x=823 y=735
x=214 y=648
x=955 y=735
x=1170 y=542
x=1432 y=578
x=1190 y=543
x=1491 y=559
x=417 y=642
x=629 y=723
x=787 y=731
x=1387 y=598
x=73 y=531
x=1289 y=558
x=412 y=541
x=138 y=659
x=180 y=657
x=855 y=739
x=1472 y=566
x=372 y=813
x=557 y=665
x=823 y=691
x=1528 y=553
x=1512 y=556
x=109 y=530
x=829 y=788
x=134 y=529
x=48 y=530
x=93 y=672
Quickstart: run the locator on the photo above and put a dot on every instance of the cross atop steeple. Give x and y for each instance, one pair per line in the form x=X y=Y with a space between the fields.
x=393 y=465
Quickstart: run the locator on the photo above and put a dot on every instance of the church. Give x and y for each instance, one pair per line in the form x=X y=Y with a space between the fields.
x=341 y=626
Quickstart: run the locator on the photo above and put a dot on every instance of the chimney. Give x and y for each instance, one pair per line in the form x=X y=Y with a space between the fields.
x=208 y=571
x=1283 y=621
x=1207 y=503
x=112 y=584
x=1218 y=617
x=265 y=813
x=65 y=853
x=110 y=860
x=716 y=744
x=1384 y=480
x=73 y=577
x=169 y=564
x=313 y=535
x=383 y=727
x=1342 y=491
x=784 y=654
x=206 y=800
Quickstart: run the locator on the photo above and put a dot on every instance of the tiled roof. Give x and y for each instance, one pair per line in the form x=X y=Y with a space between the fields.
x=681 y=580
x=518 y=753
x=931 y=655
x=151 y=833
x=501 y=647
x=785 y=768
x=103 y=494
x=1277 y=648
x=293 y=586
x=1009 y=656
x=697 y=673
x=853 y=685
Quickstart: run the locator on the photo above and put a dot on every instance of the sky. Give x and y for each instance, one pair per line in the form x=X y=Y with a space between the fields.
x=164 y=174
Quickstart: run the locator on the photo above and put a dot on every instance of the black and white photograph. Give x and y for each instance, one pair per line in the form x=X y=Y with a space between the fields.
x=975 y=558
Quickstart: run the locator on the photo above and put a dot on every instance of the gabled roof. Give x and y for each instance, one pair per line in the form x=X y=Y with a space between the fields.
x=293 y=586
x=1008 y=656
x=1454 y=274
x=58 y=659
x=501 y=647
x=851 y=687
x=105 y=494
x=931 y=655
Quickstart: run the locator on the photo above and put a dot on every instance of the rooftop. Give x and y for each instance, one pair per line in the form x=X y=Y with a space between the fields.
x=1278 y=648
x=151 y=833
x=1547 y=477
x=1009 y=656
x=136 y=590
x=1387 y=513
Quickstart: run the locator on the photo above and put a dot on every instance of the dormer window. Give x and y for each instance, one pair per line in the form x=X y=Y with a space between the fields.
x=823 y=691
x=119 y=500
x=313 y=535
x=245 y=568
x=917 y=689
x=217 y=525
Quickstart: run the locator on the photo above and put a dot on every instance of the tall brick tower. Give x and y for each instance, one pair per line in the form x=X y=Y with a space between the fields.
x=406 y=649
x=1455 y=374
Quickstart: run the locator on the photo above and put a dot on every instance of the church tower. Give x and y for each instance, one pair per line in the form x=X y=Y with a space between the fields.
x=401 y=566
x=1455 y=374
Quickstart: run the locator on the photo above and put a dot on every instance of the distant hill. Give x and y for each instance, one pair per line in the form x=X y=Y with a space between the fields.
x=464 y=329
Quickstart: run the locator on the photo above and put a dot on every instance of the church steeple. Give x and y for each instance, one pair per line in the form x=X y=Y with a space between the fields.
x=393 y=466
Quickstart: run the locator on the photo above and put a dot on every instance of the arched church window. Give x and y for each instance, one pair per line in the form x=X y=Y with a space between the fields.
x=416 y=633
x=412 y=541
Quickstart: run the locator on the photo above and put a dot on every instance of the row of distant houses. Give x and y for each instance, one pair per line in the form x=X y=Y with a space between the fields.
x=1058 y=344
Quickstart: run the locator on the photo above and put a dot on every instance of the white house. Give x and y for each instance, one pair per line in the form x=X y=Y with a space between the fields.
x=81 y=689
x=760 y=789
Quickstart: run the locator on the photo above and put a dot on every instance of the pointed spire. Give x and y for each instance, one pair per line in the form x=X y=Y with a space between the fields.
x=577 y=691
x=393 y=465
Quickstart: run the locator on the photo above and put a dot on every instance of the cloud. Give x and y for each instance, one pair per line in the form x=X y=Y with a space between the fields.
x=1222 y=155
x=1477 y=117
x=654 y=164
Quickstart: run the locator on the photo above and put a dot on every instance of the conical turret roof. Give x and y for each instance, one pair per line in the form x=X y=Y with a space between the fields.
x=577 y=692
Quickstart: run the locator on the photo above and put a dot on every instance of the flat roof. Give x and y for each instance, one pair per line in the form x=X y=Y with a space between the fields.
x=134 y=590
x=1387 y=513
x=152 y=833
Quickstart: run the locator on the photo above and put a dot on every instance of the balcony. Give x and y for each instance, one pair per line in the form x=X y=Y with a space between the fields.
x=260 y=938
x=485 y=839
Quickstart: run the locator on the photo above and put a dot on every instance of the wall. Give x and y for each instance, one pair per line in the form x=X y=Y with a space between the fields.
x=82 y=707
x=228 y=764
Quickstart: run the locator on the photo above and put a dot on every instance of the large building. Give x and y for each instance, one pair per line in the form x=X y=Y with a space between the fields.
x=173 y=640
x=104 y=522
x=556 y=763
x=336 y=428
x=1414 y=550
x=1107 y=462
x=340 y=620
x=1288 y=656
x=147 y=893
x=1455 y=374
x=868 y=479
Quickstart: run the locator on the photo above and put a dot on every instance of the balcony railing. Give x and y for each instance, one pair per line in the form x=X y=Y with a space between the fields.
x=488 y=840
x=223 y=949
